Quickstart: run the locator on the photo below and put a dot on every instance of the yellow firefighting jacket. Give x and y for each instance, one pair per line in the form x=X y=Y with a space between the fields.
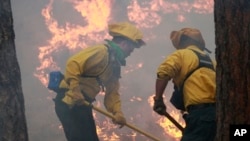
x=81 y=70
x=200 y=87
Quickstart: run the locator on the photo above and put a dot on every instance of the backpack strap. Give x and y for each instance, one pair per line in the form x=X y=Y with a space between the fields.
x=204 y=61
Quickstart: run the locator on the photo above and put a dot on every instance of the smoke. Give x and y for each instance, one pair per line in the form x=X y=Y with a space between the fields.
x=137 y=85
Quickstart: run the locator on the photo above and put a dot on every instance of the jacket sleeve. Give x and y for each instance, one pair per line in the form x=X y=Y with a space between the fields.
x=72 y=73
x=112 y=100
x=170 y=66
x=82 y=63
x=79 y=64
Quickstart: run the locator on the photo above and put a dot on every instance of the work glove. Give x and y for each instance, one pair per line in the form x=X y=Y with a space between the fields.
x=159 y=106
x=78 y=96
x=119 y=119
x=74 y=97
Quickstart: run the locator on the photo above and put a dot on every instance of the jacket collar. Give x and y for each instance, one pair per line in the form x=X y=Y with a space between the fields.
x=119 y=54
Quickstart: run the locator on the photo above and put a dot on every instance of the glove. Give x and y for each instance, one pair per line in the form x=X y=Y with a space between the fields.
x=119 y=119
x=159 y=106
x=73 y=97
x=78 y=96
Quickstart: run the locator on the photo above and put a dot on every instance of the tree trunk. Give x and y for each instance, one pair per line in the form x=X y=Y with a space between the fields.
x=232 y=37
x=12 y=114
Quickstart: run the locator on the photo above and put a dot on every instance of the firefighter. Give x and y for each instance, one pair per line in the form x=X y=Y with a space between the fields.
x=193 y=75
x=91 y=71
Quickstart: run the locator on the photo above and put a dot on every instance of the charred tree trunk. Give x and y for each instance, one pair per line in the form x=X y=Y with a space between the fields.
x=12 y=114
x=232 y=36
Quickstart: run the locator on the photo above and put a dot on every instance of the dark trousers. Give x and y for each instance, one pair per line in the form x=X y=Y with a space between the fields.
x=78 y=123
x=200 y=124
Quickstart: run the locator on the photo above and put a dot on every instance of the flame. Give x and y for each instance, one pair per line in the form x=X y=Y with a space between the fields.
x=148 y=14
x=146 y=17
x=94 y=15
x=169 y=128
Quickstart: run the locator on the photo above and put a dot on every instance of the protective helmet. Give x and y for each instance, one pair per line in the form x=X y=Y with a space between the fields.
x=192 y=33
x=127 y=30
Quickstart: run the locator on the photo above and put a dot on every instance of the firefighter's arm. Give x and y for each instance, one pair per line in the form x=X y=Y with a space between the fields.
x=159 y=106
x=167 y=70
x=76 y=66
x=112 y=103
x=81 y=63
x=73 y=97
x=160 y=86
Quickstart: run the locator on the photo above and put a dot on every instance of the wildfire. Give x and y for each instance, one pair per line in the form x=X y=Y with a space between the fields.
x=72 y=36
x=149 y=13
x=93 y=17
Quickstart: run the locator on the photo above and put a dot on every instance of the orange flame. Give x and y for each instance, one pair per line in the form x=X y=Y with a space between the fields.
x=96 y=16
x=148 y=14
x=166 y=124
